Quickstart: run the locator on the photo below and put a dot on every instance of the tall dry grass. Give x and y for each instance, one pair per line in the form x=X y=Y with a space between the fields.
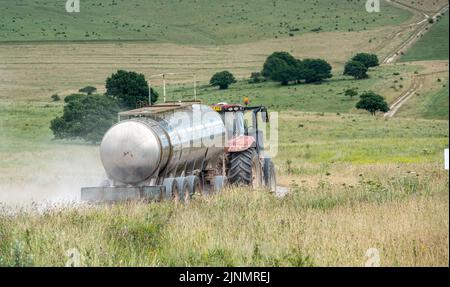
x=403 y=215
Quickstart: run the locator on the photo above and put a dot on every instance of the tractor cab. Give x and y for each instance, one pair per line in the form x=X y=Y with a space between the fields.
x=246 y=163
x=242 y=122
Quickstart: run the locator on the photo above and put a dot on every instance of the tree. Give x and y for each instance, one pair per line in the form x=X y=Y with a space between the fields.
x=277 y=62
x=314 y=70
x=88 y=90
x=129 y=88
x=351 y=93
x=222 y=79
x=369 y=60
x=372 y=103
x=278 y=70
x=284 y=73
x=356 y=69
x=256 y=77
x=85 y=117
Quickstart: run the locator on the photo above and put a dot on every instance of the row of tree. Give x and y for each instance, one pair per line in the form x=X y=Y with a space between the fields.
x=89 y=115
x=360 y=64
x=284 y=68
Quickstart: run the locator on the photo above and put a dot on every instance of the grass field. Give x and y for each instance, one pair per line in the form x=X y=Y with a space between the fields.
x=36 y=71
x=433 y=45
x=385 y=188
x=433 y=104
x=189 y=21
x=356 y=181
x=389 y=81
x=426 y=6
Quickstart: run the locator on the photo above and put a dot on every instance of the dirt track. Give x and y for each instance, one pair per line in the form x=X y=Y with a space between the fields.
x=417 y=83
x=421 y=29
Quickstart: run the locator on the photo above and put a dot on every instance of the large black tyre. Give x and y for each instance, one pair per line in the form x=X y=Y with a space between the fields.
x=171 y=187
x=184 y=195
x=195 y=186
x=245 y=169
x=270 y=178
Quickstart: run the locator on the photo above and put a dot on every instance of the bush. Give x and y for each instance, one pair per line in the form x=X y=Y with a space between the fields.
x=88 y=90
x=129 y=88
x=73 y=97
x=277 y=62
x=372 y=103
x=256 y=78
x=314 y=70
x=56 y=98
x=351 y=93
x=222 y=79
x=284 y=68
x=356 y=69
x=369 y=60
x=85 y=117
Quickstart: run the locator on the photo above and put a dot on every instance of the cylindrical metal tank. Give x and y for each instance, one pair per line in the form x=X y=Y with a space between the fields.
x=168 y=144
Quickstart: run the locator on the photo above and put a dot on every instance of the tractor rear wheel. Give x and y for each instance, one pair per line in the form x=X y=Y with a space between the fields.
x=245 y=169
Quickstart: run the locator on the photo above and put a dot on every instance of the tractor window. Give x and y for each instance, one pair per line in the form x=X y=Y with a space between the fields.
x=234 y=124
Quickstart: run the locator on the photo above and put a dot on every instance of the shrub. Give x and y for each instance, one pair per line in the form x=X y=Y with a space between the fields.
x=314 y=70
x=55 y=98
x=284 y=68
x=88 y=90
x=277 y=62
x=85 y=117
x=356 y=69
x=256 y=77
x=222 y=79
x=369 y=60
x=351 y=92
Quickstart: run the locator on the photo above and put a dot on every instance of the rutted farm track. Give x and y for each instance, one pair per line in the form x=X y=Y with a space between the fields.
x=417 y=83
x=420 y=30
x=422 y=27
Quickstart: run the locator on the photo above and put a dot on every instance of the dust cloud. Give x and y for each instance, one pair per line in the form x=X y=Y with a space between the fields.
x=51 y=178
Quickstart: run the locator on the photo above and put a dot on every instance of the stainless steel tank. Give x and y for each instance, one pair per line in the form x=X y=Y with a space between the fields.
x=168 y=144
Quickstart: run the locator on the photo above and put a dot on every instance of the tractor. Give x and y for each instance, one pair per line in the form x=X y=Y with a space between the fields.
x=176 y=150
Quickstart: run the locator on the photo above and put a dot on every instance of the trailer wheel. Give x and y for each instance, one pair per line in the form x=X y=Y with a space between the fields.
x=245 y=168
x=195 y=185
x=219 y=183
x=171 y=188
x=270 y=178
x=183 y=190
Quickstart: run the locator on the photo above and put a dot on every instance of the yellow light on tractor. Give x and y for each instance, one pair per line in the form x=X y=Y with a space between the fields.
x=246 y=101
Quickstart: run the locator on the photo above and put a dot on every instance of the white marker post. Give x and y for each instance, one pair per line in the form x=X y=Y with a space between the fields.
x=446 y=158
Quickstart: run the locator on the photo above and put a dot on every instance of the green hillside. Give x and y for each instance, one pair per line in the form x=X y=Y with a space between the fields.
x=186 y=21
x=430 y=105
x=433 y=45
x=437 y=106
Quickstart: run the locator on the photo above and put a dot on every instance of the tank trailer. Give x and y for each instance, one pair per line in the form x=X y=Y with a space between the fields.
x=176 y=150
